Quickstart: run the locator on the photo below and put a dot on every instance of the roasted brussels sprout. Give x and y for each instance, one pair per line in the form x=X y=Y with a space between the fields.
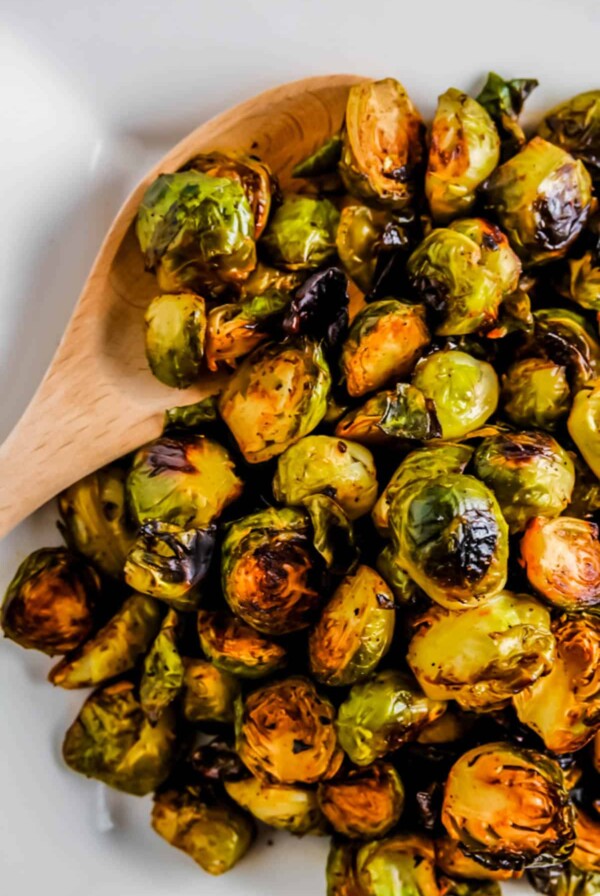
x=584 y=424
x=505 y=644
x=383 y=144
x=561 y=557
x=398 y=865
x=322 y=161
x=50 y=601
x=385 y=341
x=168 y=562
x=508 y=806
x=447 y=729
x=162 y=676
x=405 y=591
x=566 y=338
x=209 y=694
x=582 y=281
x=332 y=534
x=403 y=413
x=111 y=740
x=300 y=235
x=585 y=498
x=463 y=272
x=564 y=880
x=187 y=481
x=284 y=806
x=94 y=519
x=381 y=714
x=191 y=416
x=464 y=150
x=542 y=199
x=285 y=733
x=113 y=650
x=463 y=389
x=319 y=308
x=237 y=648
x=586 y=854
x=236 y=329
x=342 y=470
x=365 y=803
x=504 y=101
x=529 y=472
x=276 y=396
x=535 y=392
x=216 y=835
x=175 y=334
x=266 y=280
x=341 y=869
x=564 y=706
x=196 y=232
x=355 y=630
x=364 y=235
x=450 y=859
x=268 y=571
x=575 y=126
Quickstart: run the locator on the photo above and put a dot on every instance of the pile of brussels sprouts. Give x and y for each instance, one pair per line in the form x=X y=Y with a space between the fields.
x=358 y=591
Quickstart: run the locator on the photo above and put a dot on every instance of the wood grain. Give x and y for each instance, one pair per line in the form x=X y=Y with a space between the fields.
x=98 y=399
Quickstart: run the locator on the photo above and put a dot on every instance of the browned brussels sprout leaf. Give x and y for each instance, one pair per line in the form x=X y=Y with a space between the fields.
x=575 y=126
x=566 y=338
x=455 y=863
x=363 y=803
x=333 y=535
x=586 y=855
x=162 y=677
x=319 y=308
x=324 y=160
x=504 y=101
x=192 y=416
x=400 y=414
x=236 y=329
x=236 y=647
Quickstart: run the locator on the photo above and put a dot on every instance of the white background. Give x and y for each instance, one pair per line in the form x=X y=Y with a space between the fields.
x=91 y=93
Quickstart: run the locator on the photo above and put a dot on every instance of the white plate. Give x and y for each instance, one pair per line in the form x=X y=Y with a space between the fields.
x=91 y=94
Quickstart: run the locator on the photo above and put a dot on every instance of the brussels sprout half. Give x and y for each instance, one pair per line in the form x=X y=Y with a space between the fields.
x=400 y=414
x=300 y=235
x=575 y=126
x=363 y=236
x=504 y=100
x=584 y=424
x=163 y=672
x=364 y=803
x=175 y=333
x=283 y=806
x=209 y=694
x=535 y=392
x=234 y=330
x=403 y=863
x=235 y=647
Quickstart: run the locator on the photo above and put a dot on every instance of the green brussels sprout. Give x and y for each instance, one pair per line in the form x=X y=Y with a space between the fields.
x=355 y=630
x=332 y=535
x=401 y=413
x=542 y=199
x=504 y=100
x=381 y=714
x=267 y=571
x=584 y=424
x=94 y=519
x=564 y=706
x=113 y=650
x=586 y=854
x=237 y=648
x=383 y=144
x=535 y=392
x=216 y=835
x=341 y=870
x=463 y=389
x=566 y=337
x=405 y=591
x=111 y=740
x=463 y=272
x=323 y=160
x=561 y=557
x=275 y=397
x=266 y=280
x=581 y=283
x=235 y=330
x=285 y=733
x=50 y=601
x=529 y=472
x=363 y=234
x=505 y=643
x=283 y=806
x=575 y=126
x=563 y=880
x=345 y=471
x=464 y=150
x=364 y=803
x=451 y=539
x=175 y=334
x=300 y=235
x=186 y=481
x=508 y=806
x=168 y=562
x=209 y=694
x=452 y=861
x=385 y=341
x=192 y=416
x=196 y=232
x=399 y=865
x=163 y=672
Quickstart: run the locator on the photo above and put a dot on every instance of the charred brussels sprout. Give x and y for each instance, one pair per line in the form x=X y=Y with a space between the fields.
x=167 y=562
x=235 y=330
x=561 y=557
x=341 y=869
x=383 y=713
x=586 y=854
x=504 y=100
x=332 y=534
x=94 y=519
x=300 y=235
x=508 y=806
x=575 y=126
x=162 y=676
x=383 y=144
x=564 y=706
x=187 y=481
x=385 y=341
x=319 y=308
x=284 y=806
x=355 y=630
x=450 y=859
x=342 y=470
x=113 y=650
x=209 y=694
x=403 y=413
x=285 y=733
x=464 y=150
x=111 y=740
x=49 y=604
x=505 y=644
x=216 y=835
x=364 y=235
x=237 y=648
x=277 y=396
x=584 y=424
x=365 y=803
x=530 y=474
x=267 y=571
x=463 y=389
x=536 y=392
x=542 y=198
x=175 y=333
x=398 y=865
x=196 y=232
x=566 y=338
x=582 y=282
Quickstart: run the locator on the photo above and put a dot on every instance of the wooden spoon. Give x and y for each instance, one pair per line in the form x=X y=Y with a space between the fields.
x=98 y=399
